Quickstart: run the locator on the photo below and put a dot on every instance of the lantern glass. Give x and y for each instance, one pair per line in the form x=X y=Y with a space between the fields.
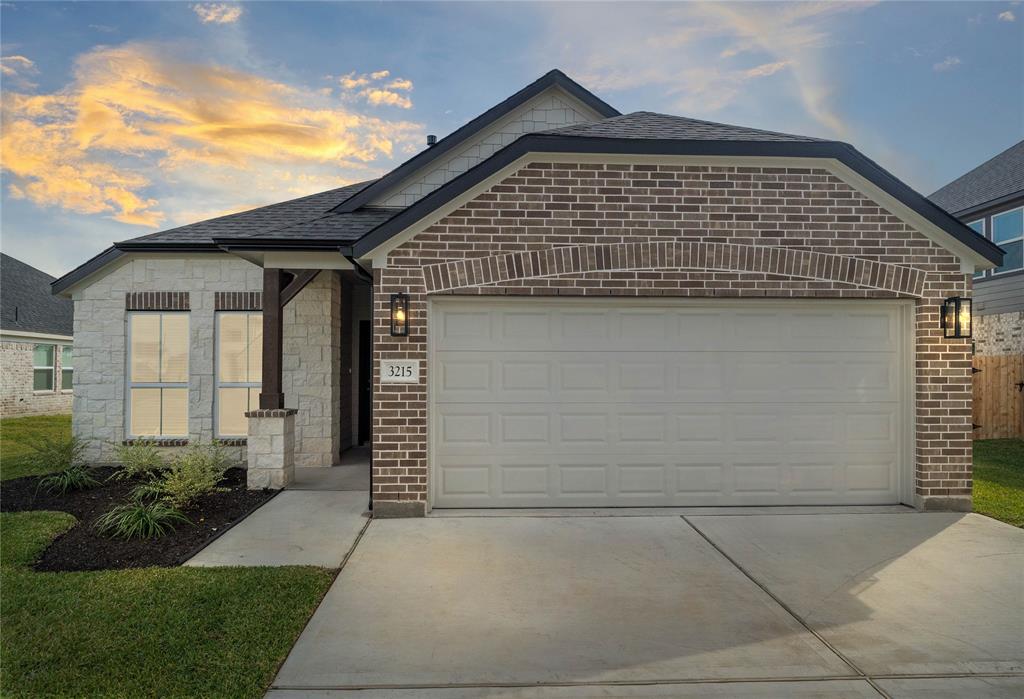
x=956 y=317
x=399 y=315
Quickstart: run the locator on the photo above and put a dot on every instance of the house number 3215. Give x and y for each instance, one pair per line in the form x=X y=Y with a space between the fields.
x=399 y=371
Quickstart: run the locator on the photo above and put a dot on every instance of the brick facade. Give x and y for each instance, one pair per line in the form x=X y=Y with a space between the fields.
x=999 y=334
x=586 y=229
x=16 y=395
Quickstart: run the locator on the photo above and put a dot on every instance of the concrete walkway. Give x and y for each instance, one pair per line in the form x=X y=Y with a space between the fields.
x=898 y=604
x=315 y=528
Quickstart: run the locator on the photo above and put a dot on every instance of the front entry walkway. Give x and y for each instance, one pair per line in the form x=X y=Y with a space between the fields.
x=314 y=522
x=808 y=605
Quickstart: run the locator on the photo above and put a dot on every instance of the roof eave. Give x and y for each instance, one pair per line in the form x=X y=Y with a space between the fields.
x=553 y=143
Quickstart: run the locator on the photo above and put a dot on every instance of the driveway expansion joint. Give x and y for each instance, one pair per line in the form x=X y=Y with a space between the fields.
x=789 y=610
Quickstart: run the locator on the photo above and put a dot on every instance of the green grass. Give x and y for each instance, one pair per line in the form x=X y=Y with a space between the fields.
x=149 y=632
x=999 y=479
x=168 y=632
x=17 y=432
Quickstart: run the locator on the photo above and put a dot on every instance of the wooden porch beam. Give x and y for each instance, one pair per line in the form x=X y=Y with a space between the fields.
x=297 y=283
x=271 y=395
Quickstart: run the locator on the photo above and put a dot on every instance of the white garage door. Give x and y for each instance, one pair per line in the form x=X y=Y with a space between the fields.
x=538 y=403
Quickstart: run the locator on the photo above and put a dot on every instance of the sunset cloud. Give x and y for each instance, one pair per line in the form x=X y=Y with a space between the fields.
x=217 y=12
x=135 y=116
x=371 y=89
x=1007 y=16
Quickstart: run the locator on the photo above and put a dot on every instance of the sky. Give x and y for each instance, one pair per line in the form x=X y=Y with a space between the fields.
x=121 y=119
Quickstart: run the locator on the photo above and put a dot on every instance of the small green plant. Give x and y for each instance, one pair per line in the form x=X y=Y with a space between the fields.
x=140 y=458
x=75 y=477
x=56 y=453
x=144 y=520
x=193 y=473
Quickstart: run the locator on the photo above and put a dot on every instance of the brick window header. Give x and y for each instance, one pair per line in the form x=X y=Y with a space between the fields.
x=156 y=301
x=238 y=301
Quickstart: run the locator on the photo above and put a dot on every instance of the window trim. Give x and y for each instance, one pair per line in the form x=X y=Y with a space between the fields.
x=1019 y=239
x=129 y=384
x=63 y=369
x=217 y=383
x=52 y=369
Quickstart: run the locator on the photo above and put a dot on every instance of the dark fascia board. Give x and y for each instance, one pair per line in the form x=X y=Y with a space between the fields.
x=255 y=244
x=985 y=208
x=553 y=143
x=452 y=140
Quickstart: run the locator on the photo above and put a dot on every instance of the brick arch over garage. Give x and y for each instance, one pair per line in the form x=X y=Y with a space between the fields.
x=582 y=259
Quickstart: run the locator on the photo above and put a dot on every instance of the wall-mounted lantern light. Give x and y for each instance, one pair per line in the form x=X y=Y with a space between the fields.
x=956 y=317
x=399 y=315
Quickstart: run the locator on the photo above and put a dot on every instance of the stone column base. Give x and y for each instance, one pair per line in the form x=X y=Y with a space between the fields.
x=271 y=448
x=944 y=503
x=390 y=509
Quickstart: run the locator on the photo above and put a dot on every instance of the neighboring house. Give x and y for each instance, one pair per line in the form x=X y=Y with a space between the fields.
x=559 y=305
x=990 y=199
x=35 y=342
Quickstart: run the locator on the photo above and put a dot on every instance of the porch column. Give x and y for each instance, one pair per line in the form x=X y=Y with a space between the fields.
x=270 y=446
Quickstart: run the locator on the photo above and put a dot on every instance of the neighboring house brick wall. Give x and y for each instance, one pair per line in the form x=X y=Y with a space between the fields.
x=999 y=334
x=311 y=354
x=16 y=395
x=548 y=111
x=747 y=218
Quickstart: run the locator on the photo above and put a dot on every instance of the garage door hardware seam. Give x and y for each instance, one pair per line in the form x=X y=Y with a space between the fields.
x=789 y=610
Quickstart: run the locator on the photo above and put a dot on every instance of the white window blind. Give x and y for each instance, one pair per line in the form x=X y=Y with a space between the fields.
x=239 y=370
x=158 y=345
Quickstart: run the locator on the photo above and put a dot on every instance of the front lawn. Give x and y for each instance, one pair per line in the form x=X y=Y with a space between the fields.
x=16 y=433
x=999 y=479
x=153 y=632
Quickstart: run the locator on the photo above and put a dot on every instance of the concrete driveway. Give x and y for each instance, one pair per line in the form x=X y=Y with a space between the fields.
x=809 y=605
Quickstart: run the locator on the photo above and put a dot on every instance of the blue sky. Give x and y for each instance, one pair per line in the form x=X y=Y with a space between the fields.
x=125 y=118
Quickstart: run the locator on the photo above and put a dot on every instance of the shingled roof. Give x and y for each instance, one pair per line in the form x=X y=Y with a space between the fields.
x=651 y=125
x=286 y=215
x=27 y=305
x=998 y=178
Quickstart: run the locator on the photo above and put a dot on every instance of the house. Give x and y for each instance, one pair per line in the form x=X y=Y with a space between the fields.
x=560 y=305
x=35 y=342
x=990 y=199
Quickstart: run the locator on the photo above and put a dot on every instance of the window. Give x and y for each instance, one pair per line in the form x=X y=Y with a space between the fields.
x=978 y=227
x=158 y=374
x=66 y=367
x=42 y=367
x=1008 y=233
x=239 y=370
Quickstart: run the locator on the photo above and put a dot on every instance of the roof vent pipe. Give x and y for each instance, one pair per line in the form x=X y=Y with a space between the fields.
x=431 y=140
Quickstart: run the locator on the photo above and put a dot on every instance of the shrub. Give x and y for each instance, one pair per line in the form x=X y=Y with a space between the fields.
x=193 y=473
x=57 y=453
x=145 y=520
x=75 y=477
x=137 y=459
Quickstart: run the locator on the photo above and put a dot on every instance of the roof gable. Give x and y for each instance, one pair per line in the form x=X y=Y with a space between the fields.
x=997 y=179
x=555 y=84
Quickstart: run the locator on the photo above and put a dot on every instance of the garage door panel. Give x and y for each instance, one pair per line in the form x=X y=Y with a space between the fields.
x=670 y=377
x=581 y=404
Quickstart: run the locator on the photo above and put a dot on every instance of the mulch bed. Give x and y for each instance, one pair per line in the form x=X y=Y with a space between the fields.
x=83 y=548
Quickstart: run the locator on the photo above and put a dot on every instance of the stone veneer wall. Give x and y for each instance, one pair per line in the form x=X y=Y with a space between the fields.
x=16 y=394
x=311 y=349
x=585 y=229
x=999 y=334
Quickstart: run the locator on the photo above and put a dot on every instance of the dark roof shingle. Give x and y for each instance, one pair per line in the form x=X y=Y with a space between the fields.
x=263 y=221
x=654 y=126
x=26 y=303
x=996 y=178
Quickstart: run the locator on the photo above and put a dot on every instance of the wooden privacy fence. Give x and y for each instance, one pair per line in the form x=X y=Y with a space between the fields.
x=998 y=398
